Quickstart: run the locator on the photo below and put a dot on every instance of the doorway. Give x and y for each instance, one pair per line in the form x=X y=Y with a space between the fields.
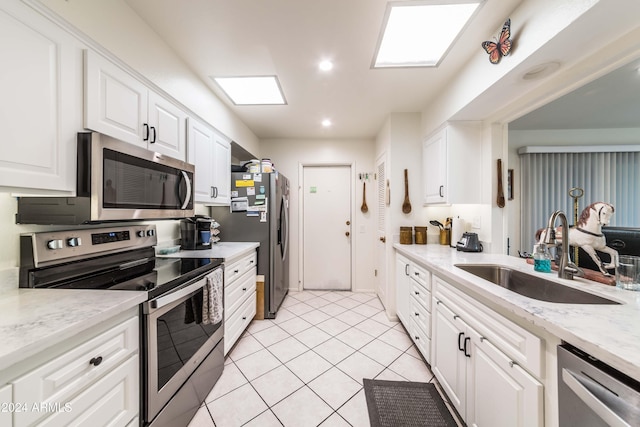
x=326 y=227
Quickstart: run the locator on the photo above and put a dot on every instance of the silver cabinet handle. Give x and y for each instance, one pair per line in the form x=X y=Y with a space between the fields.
x=578 y=383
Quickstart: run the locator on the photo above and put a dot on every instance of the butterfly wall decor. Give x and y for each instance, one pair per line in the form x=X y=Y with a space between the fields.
x=502 y=46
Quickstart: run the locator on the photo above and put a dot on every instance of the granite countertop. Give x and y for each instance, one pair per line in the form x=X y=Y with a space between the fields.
x=225 y=250
x=610 y=333
x=31 y=320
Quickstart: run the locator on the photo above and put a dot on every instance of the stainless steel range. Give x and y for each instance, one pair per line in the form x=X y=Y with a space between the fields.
x=182 y=352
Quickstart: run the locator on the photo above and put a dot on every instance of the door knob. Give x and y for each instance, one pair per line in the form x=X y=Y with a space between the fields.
x=348 y=222
x=346 y=234
x=383 y=239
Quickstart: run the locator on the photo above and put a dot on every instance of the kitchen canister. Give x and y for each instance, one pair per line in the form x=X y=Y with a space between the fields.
x=420 y=235
x=406 y=236
x=445 y=236
x=267 y=166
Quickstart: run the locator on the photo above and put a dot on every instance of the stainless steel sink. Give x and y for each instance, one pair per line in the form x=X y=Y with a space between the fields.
x=532 y=286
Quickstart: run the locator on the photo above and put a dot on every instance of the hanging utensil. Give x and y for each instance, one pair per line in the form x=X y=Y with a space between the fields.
x=406 y=205
x=500 y=198
x=364 y=208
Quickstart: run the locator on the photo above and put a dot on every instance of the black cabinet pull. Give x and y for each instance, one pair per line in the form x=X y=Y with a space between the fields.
x=244 y=317
x=416 y=292
x=153 y=140
x=95 y=361
x=460 y=335
x=417 y=314
x=417 y=337
x=440 y=191
x=146 y=132
x=244 y=289
x=235 y=271
x=466 y=341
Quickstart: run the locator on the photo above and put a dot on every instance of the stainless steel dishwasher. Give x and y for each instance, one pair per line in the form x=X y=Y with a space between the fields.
x=593 y=394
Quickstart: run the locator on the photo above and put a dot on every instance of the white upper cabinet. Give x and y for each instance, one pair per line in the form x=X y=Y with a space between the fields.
x=450 y=164
x=40 y=84
x=119 y=105
x=210 y=152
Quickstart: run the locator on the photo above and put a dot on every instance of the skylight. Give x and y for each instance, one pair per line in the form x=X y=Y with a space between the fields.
x=419 y=33
x=252 y=90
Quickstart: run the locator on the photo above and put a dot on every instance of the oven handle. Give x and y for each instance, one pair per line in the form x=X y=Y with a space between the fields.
x=172 y=297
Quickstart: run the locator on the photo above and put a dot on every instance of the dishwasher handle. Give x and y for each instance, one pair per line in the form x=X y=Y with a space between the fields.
x=581 y=386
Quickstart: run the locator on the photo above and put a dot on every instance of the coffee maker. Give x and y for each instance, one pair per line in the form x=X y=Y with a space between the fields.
x=196 y=232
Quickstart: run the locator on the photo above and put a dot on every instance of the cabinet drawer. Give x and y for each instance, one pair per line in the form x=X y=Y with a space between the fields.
x=5 y=411
x=421 y=340
x=235 y=295
x=61 y=378
x=421 y=317
x=113 y=400
x=421 y=294
x=420 y=275
x=237 y=268
x=238 y=322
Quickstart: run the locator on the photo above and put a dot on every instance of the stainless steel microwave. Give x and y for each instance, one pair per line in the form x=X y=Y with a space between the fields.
x=116 y=181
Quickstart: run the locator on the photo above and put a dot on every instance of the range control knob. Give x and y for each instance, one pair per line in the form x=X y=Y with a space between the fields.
x=54 y=244
x=150 y=233
x=74 y=241
x=140 y=233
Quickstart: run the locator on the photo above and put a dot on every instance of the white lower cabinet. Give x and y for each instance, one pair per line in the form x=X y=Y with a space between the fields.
x=6 y=400
x=239 y=296
x=413 y=302
x=94 y=380
x=487 y=387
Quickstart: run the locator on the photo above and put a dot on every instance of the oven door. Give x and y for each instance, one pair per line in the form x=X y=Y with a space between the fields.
x=176 y=342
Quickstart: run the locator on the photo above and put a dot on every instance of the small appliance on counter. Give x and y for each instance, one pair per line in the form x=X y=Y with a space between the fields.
x=196 y=232
x=469 y=242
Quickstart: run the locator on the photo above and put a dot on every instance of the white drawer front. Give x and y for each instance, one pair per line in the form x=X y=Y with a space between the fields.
x=6 y=408
x=422 y=341
x=113 y=400
x=237 y=268
x=420 y=275
x=236 y=294
x=59 y=379
x=421 y=317
x=421 y=294
x=238 y=322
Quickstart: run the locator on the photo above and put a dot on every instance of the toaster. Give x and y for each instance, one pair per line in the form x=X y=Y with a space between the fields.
x=469 y=242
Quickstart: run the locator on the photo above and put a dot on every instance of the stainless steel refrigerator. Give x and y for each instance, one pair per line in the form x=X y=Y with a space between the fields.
x=259 y=212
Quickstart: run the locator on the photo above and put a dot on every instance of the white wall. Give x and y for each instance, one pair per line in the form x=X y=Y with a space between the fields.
x=287 y=156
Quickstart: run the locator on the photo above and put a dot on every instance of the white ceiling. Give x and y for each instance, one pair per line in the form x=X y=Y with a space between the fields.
x=289 y=37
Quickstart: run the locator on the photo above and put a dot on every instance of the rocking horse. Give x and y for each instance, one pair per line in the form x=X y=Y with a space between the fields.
x=587 y=234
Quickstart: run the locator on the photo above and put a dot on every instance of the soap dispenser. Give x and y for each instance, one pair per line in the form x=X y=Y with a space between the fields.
x=541 y=258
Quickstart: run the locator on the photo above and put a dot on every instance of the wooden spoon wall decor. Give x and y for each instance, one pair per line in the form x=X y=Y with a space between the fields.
x=500 y=198
x=364 y=208
x=406 y=205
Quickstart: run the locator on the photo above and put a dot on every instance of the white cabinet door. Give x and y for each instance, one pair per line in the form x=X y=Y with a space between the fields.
x=40 y=85
x=200 y=153
x=448 y=358
x=403 y=289
x=167 y=127
x=434 y=168
x=499 y=392
x=115 y=102
x=221 y=170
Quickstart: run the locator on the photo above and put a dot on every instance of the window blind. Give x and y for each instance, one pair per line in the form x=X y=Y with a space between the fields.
x=611 y=177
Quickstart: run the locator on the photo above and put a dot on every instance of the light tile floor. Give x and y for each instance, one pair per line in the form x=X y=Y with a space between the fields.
x=305 y=368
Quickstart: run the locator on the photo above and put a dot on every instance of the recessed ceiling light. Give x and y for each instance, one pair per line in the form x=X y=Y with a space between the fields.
x=325 y=65
x=252 y=90
x=326 y=123
x=418 y=34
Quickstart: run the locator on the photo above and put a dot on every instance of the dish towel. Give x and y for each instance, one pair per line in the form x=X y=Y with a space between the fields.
x=212 y=307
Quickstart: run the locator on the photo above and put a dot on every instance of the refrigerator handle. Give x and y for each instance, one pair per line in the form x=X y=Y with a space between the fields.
x=283 y=229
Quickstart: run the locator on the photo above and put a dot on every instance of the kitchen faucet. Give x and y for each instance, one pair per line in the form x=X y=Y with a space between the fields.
x=566 y=268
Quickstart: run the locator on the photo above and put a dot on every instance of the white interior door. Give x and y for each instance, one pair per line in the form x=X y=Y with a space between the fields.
x=326 y=227
x=381 y=246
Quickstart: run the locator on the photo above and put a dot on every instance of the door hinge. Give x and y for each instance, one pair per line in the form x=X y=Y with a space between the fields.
x=375 y=273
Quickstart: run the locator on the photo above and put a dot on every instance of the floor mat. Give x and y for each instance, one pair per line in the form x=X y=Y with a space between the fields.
x=406 y=404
